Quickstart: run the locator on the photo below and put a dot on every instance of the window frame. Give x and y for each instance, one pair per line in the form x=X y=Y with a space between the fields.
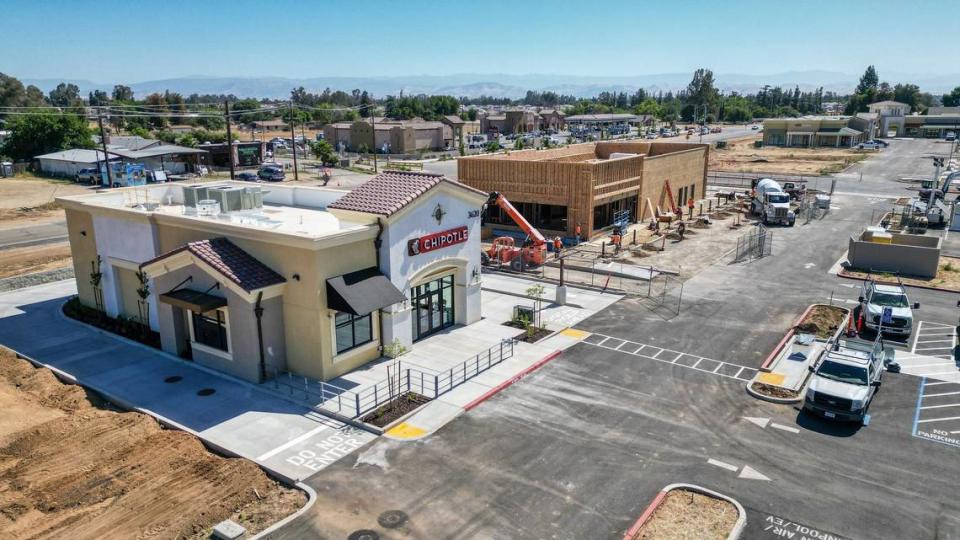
x=225 y=324
x=352 y=323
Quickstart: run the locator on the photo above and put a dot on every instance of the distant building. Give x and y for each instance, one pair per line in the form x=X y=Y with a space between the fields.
x=392 y=136
x=816 y=131
x=67 y=163
x=895 y=118
x=617 y=124
x=152 y=154
x=515 y=121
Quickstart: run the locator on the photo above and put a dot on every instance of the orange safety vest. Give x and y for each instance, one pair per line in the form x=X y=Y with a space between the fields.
x=690 y=202
x=578 y=230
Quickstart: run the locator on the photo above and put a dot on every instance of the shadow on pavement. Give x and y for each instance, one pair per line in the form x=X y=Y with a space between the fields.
x=819 y=425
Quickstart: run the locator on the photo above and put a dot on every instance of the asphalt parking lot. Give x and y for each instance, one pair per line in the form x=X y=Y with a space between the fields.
x=648 y=398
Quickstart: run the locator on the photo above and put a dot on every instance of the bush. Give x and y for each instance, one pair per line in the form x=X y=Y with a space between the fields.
x=122 y=326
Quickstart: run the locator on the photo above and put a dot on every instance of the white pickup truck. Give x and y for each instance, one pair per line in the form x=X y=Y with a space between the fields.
x=845 y=380
x=876 y=298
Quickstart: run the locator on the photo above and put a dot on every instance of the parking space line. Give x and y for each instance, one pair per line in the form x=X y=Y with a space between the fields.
x=940 y=382
x=939 y=406
x=621 y=345
x=938 y=419
x=934 y=364
x=943 y=394
x=674 y=361
x=697 y=363
x=741 y=371
x=936 y=341
x=605 y=338
x=720 y=365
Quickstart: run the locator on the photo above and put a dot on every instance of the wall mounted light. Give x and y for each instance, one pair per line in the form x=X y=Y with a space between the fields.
x=296 y=277
x=83 y=233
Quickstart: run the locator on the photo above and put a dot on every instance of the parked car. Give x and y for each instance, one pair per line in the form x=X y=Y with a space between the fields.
x=247 y=177
x=716 y=129
x=89 y=175
x=754 y=127
x=868 y=145
x=845 y=381
x=876 y=298
x=652 y=135
x=271 y=174
x=881 y=142
x=951 y=136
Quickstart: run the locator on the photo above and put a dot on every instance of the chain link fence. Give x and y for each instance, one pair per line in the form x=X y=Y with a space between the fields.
x=754 y=244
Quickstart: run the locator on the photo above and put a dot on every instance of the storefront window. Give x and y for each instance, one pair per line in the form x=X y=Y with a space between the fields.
x=352 y=330
x=210 y=329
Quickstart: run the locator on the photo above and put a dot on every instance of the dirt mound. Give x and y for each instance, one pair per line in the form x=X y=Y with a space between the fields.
x=86 y=471
x=822 y=321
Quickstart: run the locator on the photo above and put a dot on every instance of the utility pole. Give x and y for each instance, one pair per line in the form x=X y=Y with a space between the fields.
x=293 y=140
x=226 y=116
x=373 y=129
x=103 y=141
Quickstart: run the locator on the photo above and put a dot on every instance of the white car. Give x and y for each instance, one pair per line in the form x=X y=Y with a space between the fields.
x=869 y=145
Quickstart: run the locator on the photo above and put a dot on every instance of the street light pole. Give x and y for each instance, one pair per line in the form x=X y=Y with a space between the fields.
x=293 y=141
x=103 y=141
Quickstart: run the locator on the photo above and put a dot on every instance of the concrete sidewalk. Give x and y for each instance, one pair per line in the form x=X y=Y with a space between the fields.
x=286 y=438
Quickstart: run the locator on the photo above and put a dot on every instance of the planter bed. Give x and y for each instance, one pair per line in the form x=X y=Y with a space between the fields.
x=770 y=390
x=122 y=327
x=684 y=513
x=401 y=406
x=533 y=337
x=822 y=321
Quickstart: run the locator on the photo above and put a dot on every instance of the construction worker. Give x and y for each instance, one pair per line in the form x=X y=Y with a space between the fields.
x=690 y=206
x=557 y=247
x=616 y=238
x=681 y=228
x=577 y=232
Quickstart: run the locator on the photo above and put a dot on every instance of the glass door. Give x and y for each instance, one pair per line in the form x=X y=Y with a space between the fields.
x=433 y=307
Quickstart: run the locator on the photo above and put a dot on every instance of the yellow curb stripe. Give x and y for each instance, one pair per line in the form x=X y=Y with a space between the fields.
x=404 y=430
x=772 y=378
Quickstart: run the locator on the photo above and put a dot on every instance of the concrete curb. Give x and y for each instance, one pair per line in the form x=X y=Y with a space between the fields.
x=842 y=273
x=778 y=401
x=652 y=507
x=311 y=500
x=170 y=424
x=493 y=391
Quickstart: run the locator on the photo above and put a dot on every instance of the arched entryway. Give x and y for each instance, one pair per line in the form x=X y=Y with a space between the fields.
x=436 y=297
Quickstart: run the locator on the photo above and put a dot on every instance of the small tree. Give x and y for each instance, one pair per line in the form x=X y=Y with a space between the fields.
x=492 y=146
x=518 y=144
x=96 y=278
x=536 y=291
x=143 y=291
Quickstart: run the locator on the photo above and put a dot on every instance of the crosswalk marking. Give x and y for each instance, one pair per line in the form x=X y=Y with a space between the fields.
x=740 y=373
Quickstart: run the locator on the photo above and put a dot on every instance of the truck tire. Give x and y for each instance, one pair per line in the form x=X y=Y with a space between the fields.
x=791 y=222
x=515 y=264
x=484 y=258
x=765 y=220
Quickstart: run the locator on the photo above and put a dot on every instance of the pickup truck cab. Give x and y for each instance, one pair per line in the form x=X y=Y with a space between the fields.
x=875 y=298
x=845 y=380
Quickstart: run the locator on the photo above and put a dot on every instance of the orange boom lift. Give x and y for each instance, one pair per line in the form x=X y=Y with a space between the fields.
x=504 y=250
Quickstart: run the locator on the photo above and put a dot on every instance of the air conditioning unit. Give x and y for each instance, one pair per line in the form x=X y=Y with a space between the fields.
x=252 y=198
x=229 y=197
x=192 y=194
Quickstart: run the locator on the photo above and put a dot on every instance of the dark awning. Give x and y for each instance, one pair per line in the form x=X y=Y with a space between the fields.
x=362 y=292
x=196 y=301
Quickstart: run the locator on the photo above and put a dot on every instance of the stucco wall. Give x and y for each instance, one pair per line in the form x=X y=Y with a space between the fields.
x=123 y=243
x=921 y=259
x=83 y=249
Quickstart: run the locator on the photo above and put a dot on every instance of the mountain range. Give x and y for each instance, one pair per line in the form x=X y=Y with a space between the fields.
x=501 y=85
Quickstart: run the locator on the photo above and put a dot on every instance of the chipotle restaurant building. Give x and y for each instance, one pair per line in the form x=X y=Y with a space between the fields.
x=258 y=280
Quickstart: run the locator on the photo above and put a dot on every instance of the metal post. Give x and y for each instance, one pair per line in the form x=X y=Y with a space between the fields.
x=436 y=386
x=226 y=117
x=408 y=379
x=293 y=140
x=106 y=158
x=357 y=401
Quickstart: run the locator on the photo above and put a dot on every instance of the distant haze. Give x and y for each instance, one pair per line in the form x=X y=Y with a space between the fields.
x=500 y=85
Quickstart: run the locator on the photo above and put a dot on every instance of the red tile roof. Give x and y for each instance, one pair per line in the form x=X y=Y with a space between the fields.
x=230 y=261
x=388 y=192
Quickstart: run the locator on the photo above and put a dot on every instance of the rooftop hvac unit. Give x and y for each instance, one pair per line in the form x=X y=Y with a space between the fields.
x=230 y=198
x=252 y=198
x=193 y=194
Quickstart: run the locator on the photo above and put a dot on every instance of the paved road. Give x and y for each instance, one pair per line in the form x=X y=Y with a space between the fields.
x=33 y=235
x=579 y=448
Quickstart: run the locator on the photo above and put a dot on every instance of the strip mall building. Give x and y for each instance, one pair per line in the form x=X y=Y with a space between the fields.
x=253 y=280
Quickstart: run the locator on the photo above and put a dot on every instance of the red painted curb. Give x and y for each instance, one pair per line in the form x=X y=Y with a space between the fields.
x=651 y=508
x=489 y=393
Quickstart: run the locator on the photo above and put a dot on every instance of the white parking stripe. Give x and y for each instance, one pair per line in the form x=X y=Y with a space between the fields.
x=941 y=406
x=290 y=443
x=935 y=341
x=942 y=394
x=743 y=370
x=938 y=419
x=934 y=364
x=940 y=382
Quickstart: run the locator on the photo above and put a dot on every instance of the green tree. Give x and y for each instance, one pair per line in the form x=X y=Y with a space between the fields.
x=324 y=151
x=518 y=144
x=33 y=135
x=122 y=93
x=952 y=99
x=98 y=98
x=907 y=93
x=65 y=95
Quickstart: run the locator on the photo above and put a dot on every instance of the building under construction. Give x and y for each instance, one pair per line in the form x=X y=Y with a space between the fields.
x=593 y=185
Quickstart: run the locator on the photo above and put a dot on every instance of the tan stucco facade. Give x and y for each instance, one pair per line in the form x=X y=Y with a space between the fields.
x=83 y=249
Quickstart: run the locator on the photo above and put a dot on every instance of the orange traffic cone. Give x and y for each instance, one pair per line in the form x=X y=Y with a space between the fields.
x=851 y=329
x=860 y=322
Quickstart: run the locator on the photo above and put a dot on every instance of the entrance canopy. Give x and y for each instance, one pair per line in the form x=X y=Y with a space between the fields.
x=362 y=292
x=196 y=301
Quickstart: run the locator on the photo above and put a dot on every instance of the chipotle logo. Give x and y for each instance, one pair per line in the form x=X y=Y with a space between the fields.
x=436 y=241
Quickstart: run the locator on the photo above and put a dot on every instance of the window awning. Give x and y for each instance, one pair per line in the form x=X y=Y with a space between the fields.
x=362 y=292
x=196 y=301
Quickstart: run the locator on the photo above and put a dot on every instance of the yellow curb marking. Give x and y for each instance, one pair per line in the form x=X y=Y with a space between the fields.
x=578 y=334
x=772 y=378
x=404 y=430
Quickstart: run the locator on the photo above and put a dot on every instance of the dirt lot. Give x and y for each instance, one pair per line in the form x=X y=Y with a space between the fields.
x=947 y=278
x=740 y=155
x=27 y=260
x=686 y=515
x=71 y=466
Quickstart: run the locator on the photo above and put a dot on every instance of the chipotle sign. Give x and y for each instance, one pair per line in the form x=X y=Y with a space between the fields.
x=436 y=241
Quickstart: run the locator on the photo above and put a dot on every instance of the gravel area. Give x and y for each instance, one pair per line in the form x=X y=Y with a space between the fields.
x=39 y=278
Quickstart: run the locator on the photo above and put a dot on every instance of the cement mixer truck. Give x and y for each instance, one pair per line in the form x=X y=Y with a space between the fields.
x=772 y=203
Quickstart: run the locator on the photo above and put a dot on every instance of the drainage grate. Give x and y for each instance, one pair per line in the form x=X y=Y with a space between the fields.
x=363 y=534
x=391 y=519
x=173 y=379
x=206 y=392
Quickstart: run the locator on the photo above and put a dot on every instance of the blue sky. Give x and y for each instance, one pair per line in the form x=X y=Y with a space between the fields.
x=129 y=41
